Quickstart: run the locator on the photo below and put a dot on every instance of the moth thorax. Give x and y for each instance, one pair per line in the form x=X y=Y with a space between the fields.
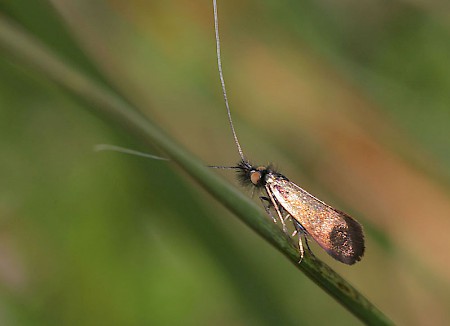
x=270 y=178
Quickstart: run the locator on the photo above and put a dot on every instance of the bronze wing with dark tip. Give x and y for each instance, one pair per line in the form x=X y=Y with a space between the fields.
x=336 y=232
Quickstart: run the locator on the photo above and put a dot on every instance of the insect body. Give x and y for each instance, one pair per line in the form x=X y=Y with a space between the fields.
x=336 y=232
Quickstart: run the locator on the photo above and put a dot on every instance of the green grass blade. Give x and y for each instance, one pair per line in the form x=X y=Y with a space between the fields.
x=30 y=54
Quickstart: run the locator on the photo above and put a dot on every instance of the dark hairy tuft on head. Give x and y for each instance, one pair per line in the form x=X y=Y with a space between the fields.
x=243 y=171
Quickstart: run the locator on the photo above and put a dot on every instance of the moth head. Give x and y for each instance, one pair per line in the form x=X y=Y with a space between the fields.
x=252 y=175
x=257 y=176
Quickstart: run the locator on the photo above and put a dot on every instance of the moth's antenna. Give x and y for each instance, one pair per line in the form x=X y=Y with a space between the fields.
x=106 y=147
x=222 y=81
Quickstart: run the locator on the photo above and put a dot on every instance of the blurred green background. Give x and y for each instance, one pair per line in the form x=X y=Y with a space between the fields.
x=350 y=99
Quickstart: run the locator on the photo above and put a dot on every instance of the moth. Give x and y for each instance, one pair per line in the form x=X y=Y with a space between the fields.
x=336 y=232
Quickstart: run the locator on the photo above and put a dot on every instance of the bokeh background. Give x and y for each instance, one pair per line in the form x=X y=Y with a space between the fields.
x=350 y=99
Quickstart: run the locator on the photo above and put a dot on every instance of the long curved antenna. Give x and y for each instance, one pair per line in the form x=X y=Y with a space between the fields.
x=107 y=147
x=222 y=81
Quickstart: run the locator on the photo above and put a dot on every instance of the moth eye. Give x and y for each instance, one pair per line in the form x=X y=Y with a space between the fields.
x=255 y=176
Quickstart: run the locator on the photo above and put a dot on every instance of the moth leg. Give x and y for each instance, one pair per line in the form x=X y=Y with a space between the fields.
x=274 y=203
x=301 y=232
x=300 y=247
x=307 y=244
x=265 y=200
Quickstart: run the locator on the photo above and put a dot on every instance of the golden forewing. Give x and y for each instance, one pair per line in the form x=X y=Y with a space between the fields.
x=335 y=231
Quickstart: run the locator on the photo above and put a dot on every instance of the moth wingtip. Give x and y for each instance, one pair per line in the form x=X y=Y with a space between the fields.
x=347 y=241
x=356 y=236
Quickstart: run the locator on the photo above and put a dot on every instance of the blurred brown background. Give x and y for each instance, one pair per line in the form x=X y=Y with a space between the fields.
x=350 y=100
